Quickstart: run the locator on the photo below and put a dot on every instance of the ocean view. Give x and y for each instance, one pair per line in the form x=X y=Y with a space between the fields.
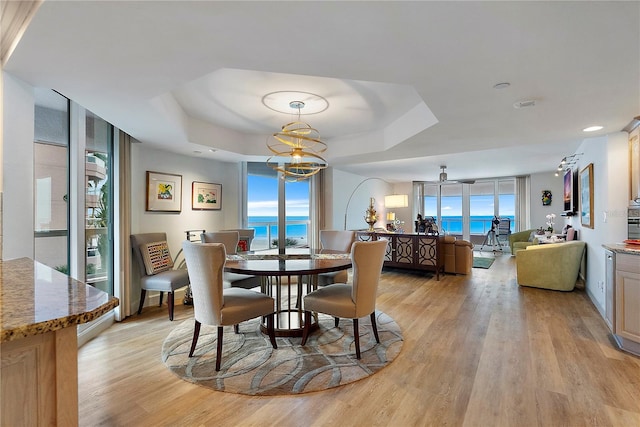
x=267 y=226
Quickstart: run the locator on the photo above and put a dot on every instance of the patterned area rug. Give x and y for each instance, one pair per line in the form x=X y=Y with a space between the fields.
x=482 y=262
x=251 y=366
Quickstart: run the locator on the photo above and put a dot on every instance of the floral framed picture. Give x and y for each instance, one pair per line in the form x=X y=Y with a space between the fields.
x=206 y=196
x=164 y=192
x=586 y=196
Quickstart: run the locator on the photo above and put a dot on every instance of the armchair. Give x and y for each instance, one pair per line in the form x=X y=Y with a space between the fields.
x=551 y=266
x=521 y=240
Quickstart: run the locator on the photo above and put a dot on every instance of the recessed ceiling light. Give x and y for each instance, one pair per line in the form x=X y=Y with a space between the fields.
x=213 y=150
x=502 y=85
x=592 y=128
x=525 y=104
x=197 y=152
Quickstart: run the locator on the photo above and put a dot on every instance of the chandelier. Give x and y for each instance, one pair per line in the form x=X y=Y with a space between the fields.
x=296 y=149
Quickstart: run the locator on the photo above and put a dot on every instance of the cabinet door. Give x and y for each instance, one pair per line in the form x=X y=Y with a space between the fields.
x=427 y=251
x=627 y=323
x=403 y=249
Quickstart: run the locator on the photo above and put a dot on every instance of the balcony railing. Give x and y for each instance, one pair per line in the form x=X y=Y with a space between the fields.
x=267 y=233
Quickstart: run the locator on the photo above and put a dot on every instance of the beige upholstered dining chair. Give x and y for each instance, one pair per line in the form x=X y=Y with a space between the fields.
x=213 y=305
x=246 y=237
x=336 y=240
x=230 y=240
x=155 y=268
x=342 y=300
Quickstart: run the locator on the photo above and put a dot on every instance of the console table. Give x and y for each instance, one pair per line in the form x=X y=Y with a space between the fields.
x=409 y=250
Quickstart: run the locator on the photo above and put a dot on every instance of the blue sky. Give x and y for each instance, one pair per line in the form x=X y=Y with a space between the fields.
x=263 y=200
x=263 y=197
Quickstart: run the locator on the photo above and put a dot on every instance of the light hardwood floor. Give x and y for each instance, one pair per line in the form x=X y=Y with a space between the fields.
x=478 y=351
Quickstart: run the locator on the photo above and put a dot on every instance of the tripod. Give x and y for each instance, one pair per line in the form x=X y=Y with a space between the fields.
x=491 y=238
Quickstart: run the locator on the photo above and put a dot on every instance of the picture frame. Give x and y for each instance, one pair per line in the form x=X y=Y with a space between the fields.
x=206 y=196
x=164 y=192
x=586 y=196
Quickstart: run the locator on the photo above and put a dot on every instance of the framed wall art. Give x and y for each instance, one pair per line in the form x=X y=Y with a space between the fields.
x=206 y=196
x=586 y=196
x=164 y=192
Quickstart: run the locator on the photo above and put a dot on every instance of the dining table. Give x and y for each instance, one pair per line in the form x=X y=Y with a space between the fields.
x=287 y=275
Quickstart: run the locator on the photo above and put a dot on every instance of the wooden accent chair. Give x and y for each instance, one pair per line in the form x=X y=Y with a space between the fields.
x=213 y=305
x=351 y=301
x=155 y=267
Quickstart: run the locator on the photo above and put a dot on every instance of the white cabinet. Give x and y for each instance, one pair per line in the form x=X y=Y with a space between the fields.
x=627 y=297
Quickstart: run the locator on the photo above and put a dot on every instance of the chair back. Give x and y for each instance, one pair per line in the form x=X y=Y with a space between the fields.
x=246 y=234
x=205 y=264
x=337 y=240
x=367 y=259
x=141 y=239
x=230 y=239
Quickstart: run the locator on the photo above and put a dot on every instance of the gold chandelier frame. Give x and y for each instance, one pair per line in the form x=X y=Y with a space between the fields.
x=301 y=144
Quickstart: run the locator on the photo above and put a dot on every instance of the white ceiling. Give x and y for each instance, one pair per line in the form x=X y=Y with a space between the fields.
x=409 y=84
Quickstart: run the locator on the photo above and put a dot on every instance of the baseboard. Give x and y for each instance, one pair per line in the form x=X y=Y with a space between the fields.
x=94 y=328
x=595 y=303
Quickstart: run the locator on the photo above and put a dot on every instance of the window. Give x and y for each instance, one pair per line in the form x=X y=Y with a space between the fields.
x=51 y=168
x=467 y=210
x=263 y=199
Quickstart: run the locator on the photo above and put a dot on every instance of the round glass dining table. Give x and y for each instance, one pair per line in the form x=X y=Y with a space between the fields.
x=288 y=277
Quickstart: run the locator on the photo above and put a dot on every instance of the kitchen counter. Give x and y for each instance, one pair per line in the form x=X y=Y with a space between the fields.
x=623 y=248
x=39 y=310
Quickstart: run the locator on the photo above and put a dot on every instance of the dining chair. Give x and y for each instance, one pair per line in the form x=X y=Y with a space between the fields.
x=212 y=304
x=230 y=241
x=354 y=301
x=246 y=237
x=336 y=240
x=156 y=268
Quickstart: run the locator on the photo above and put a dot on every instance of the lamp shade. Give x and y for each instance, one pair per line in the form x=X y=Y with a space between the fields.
x=396 y=201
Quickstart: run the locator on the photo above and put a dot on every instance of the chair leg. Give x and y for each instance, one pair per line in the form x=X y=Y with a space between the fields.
x=356 y=336
x=375 y=327
x=306 y=327
x=336 y=321
x=196 y=334
x=219 y=350
x=236 y=328
x=143 y=293
x=161 y=296
x=271 y=330
x=170 y=304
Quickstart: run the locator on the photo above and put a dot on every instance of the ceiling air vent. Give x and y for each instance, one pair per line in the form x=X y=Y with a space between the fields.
x=525 y=104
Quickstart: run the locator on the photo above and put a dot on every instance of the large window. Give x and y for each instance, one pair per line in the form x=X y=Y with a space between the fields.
x=264 y=195
x=99 y=219
x=51 y=168
x=467 y=210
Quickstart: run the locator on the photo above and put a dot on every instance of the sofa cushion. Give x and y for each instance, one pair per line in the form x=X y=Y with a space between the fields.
x=156 y=257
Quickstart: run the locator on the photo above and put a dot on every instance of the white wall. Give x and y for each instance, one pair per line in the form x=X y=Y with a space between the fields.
x=17 y=168
x=539 y=183
x=352 y=192
x=145 y=159
x=609 y=156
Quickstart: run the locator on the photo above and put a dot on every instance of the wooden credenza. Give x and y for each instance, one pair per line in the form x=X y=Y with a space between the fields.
x=410 y=251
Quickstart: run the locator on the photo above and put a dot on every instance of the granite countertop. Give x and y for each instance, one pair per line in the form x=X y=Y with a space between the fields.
x=623 y=248
x=35 y=299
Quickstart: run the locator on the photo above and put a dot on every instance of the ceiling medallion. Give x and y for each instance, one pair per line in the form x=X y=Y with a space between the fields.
x=296 y=149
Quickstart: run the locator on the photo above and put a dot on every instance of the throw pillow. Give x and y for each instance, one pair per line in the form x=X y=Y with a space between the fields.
x=532 y=236
x=243 y=245
x=156 y=257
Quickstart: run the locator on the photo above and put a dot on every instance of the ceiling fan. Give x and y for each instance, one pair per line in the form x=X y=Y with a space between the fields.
x=444 y=180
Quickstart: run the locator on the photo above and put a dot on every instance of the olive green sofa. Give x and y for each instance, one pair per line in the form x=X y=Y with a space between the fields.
x=520 y=240
x=551 y=266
